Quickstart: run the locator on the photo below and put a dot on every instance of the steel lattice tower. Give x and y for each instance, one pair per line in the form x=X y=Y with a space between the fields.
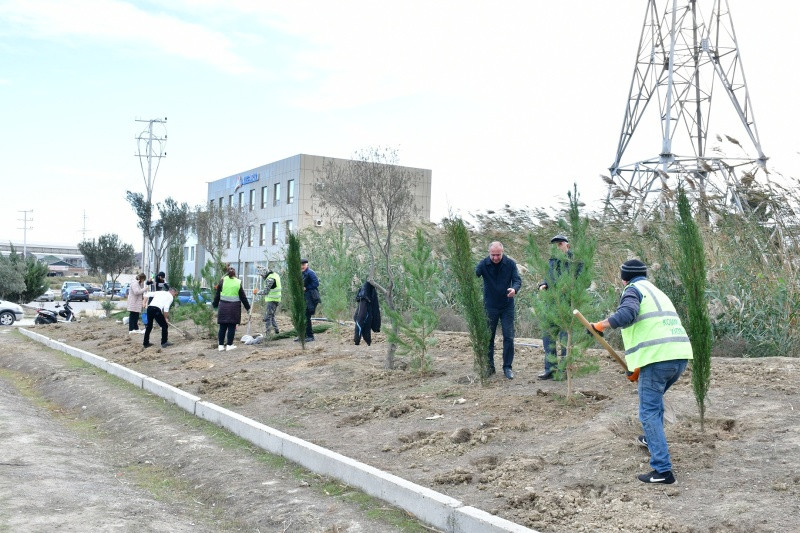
x=680 y=59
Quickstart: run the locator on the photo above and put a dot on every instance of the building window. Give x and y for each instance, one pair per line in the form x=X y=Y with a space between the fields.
x=230 y=200
x=229 y=238
x=191 y=253
x=263 y=197
x=289 y=227
x=276 y=195
x=241 y=199
x=249 y=235
x=252 y=204
x=262 y=236
x=290 y=192
x=185 y=253
x=274 y=233
x=220 y=202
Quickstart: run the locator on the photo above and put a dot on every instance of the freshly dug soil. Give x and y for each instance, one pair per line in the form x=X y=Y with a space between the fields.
x=515 y=448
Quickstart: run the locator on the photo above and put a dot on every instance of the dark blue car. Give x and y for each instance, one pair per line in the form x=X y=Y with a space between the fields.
x=186 y=297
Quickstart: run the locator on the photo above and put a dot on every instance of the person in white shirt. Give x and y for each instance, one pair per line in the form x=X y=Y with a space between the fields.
x=158 y=311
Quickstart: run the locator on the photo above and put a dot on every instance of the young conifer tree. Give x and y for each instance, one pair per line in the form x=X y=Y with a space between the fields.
x=468 y=293
x=567 y=291
x=420 y=284
x=692 y=271
x=297 y=301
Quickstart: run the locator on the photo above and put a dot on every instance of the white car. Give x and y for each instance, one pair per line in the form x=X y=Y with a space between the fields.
x=47 y=296
x=9 y=312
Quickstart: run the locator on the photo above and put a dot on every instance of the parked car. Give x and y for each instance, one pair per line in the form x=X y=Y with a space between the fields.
x=75 y=293
x=68 y=284
x=123 y=292
x=109 y=287
x=186 y=297
x=9 y=312
x=91 y=288
x=47 y=296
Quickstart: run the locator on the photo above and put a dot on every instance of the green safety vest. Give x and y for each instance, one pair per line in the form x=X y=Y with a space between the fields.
x=274 y=294
x=657 y=333
x=230 y=289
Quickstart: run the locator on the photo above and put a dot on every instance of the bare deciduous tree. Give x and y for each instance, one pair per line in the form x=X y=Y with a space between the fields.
x=170 y=229
x=375 y=196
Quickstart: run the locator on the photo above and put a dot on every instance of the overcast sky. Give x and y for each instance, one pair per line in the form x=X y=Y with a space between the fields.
x=507 y=102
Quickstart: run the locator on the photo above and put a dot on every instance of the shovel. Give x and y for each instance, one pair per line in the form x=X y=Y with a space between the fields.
x=176 y=328
x=669 y=413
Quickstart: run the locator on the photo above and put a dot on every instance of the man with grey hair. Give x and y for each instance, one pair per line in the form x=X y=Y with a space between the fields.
x=501 y=282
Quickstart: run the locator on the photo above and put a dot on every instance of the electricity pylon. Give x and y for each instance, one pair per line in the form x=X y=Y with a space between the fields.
x=150 y=147
x=680 y=59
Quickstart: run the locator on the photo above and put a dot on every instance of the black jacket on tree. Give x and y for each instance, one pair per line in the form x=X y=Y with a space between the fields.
x=368 y=314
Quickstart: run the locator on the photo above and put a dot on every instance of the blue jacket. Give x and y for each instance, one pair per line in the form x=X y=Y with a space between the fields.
x=628 y=308
x=497 y=279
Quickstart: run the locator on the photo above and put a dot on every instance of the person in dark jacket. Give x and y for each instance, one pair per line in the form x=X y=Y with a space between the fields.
x=311 y=294
x=501 y=282
x=556 y=268
x=368 y=314
x=229 y=299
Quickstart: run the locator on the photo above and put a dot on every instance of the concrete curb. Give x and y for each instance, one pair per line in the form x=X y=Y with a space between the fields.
x=434 y=508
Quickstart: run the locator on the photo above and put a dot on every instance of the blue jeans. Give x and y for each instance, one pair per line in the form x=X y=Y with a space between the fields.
x=506 y=318
x=549 y=346
x=654 y=380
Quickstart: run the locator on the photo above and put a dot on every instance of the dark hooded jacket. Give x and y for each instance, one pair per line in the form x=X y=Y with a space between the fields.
x=368 y=314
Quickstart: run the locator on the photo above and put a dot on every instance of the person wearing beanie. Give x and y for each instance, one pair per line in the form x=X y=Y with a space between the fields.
x=501 y=283
x=656 y=344
x=556 y=267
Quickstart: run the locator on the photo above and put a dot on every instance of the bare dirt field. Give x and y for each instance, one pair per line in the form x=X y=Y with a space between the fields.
x=514 y=448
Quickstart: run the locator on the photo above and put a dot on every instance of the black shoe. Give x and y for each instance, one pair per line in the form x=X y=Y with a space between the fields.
x=147 y=344
x=309 y=339
x=665 y=478
x=491 y=372
x=166 y=344
x=546 y=375
x=509 y=373
x=641 y=441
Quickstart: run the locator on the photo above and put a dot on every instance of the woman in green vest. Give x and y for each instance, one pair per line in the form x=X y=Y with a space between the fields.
x=229 y=299
x=657 y=345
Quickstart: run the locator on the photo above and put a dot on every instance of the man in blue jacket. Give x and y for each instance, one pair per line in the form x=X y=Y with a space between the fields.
x=501 y=282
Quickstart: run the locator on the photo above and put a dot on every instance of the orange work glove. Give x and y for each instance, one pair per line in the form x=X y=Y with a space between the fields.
x=633 y=376
x=598 y=327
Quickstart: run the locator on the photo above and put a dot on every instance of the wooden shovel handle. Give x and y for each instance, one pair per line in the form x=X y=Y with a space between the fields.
x=603 y=342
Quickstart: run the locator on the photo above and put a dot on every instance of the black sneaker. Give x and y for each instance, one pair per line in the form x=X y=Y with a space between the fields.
x=665 y=478
x=641 y=441
x=147 y=344
x=546 y=375
x=309 y=339
x=166 y=344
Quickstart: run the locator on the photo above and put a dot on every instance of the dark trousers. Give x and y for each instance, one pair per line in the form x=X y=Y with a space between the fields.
x=133 y=321
x=269 y=316
x=549 y=345
x=226 y=333
x=311 y=308
x=154 y=314
x=506 y=318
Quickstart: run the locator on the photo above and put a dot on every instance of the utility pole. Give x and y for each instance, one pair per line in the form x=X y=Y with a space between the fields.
x=150 y=147
x=84 y=231
x=25 y=229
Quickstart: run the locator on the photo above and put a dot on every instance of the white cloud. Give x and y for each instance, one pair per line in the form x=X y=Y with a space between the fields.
x=122 y=22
